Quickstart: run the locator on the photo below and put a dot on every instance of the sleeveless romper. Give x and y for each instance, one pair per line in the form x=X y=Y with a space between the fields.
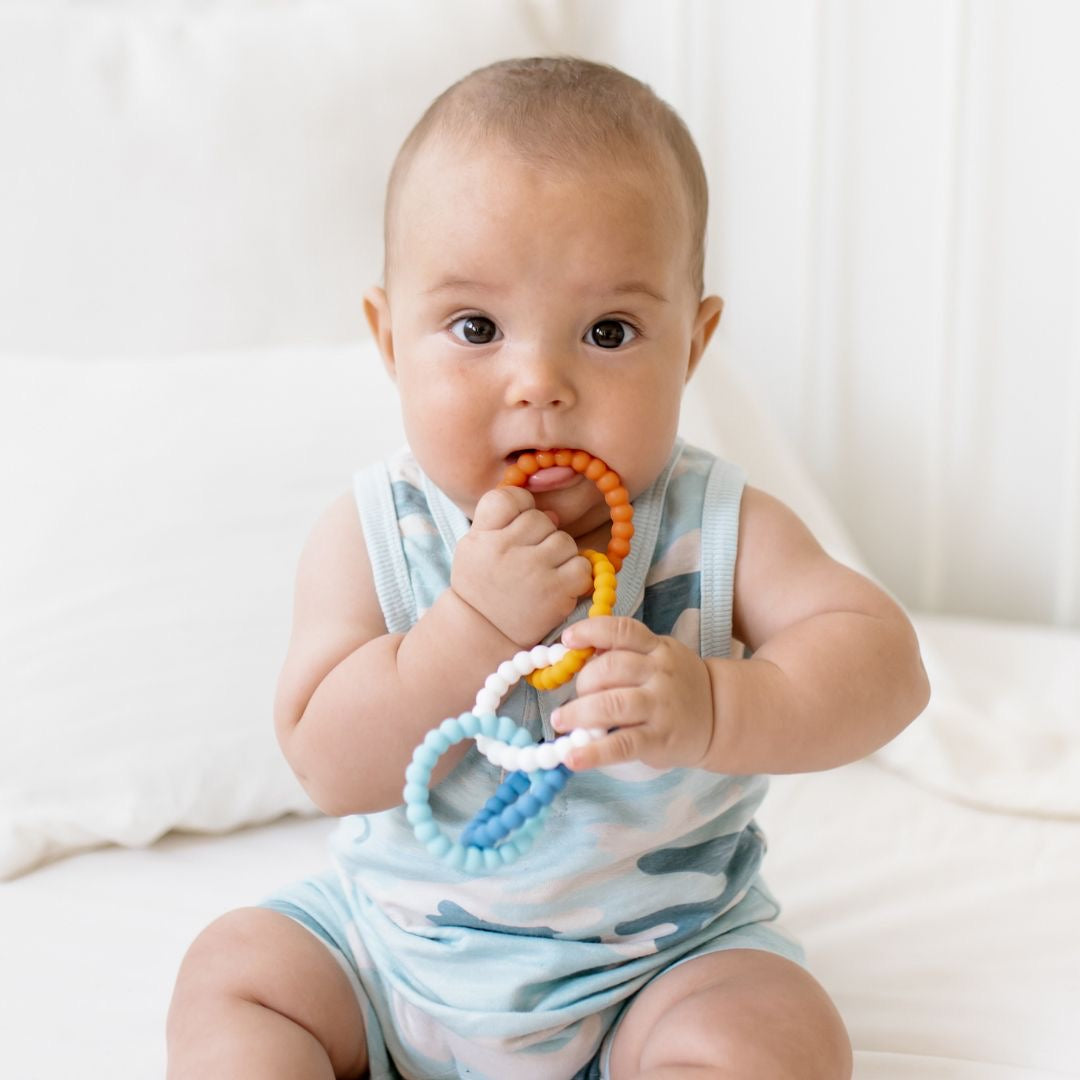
x=524 y=972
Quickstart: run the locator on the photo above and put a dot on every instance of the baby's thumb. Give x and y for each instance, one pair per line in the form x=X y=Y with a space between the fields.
x=497 y=508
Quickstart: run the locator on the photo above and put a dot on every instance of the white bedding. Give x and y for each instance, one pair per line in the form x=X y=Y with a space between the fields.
x=946 y=933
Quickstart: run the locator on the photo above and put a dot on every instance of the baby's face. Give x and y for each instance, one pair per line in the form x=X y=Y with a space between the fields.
x=535 y=311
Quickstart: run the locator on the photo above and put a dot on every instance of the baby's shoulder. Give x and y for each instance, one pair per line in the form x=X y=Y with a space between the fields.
x=768 y=524
x=339 y=523
x=334 y=563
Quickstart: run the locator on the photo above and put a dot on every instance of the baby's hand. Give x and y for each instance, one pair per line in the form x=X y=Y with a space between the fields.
x=654 y=690
x=517 y=569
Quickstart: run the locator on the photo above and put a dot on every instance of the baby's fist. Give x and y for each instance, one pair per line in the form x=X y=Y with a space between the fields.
x=516 y=568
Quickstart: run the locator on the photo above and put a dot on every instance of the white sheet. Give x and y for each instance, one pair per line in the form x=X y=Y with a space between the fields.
x=946 y=934
x=1004 y=732
x=91 y=944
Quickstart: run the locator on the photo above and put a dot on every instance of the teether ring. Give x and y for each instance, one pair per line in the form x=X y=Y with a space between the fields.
x=524 y=755
x=515 y=801
x=604 y=570
x=607 y=480
x=505 y=827
x=474 y=857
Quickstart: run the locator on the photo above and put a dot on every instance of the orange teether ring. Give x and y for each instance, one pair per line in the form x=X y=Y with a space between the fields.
x=604 y=568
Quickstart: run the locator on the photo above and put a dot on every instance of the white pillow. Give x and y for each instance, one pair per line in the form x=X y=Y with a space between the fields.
x=153 y=513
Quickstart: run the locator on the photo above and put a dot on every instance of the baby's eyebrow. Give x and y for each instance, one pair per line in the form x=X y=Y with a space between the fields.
x=626 y=288
x=641 y=288
x=448 y=284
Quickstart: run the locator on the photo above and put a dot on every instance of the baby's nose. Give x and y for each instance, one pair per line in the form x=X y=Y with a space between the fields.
x=542 y=380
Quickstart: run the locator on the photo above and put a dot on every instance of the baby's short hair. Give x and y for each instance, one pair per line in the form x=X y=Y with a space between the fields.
x=561 y=111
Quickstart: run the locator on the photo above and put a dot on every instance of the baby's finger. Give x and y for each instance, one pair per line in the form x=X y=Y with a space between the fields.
x=611 y=670
x=497 y=508
x=575 y=575
x=534 y=527
x=610 y=632
x=624 y=706
x=616 y=747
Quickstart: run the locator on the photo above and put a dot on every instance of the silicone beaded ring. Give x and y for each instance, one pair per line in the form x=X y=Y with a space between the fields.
x=603 y=603
x=519 y=752
x=472 y=858
x=607 y=480
x=505 y=827
x=516 y=800
x=604 y=569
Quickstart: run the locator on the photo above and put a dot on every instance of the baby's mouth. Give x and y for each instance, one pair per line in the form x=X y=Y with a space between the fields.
x=550 y=478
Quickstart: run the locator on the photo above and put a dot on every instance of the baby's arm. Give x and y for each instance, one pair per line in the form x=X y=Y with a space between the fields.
x=835 y=671
x=353 y=700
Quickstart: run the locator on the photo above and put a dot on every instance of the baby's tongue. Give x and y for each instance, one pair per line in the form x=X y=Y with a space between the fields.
x=546 y=479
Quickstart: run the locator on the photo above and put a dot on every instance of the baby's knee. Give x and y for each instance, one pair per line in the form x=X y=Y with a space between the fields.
x=258 y=971
x=741 y=1013
x=745 y=1044
x=222 y=958
x=216 y=967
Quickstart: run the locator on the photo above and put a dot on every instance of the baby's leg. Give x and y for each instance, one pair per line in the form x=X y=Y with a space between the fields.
x=740 y=1013
x=260 y=996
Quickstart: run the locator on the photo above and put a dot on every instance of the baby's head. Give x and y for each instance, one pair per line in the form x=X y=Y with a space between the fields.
x=562 y=116
x=545 y=227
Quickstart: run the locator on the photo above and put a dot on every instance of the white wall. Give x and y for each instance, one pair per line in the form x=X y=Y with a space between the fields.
x=896 y=225
x=896 y=231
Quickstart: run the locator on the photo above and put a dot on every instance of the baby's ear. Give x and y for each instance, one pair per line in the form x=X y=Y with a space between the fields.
x=708 y=315
x=377 y=311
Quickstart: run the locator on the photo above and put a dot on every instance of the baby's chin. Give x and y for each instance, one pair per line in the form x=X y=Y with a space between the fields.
x=578 y=516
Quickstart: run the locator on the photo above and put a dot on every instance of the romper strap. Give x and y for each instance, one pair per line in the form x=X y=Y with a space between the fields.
x=648 y=514
x=382 y=533
x=719 y=545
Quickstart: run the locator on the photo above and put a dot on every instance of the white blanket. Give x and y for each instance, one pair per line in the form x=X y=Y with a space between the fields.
x=1003 y=732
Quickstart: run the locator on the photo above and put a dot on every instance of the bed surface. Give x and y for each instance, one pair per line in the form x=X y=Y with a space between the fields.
x=945 y=933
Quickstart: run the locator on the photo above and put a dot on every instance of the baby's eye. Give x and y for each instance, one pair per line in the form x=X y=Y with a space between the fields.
x=474 y=329
x=610 y=333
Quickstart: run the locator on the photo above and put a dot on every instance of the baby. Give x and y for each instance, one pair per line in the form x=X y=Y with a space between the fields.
x=545 y=229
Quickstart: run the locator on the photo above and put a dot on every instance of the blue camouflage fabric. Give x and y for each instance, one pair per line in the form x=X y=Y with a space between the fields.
x=523 y=972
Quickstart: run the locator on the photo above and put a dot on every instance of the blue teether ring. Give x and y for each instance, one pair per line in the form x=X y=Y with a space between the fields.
x=506 y=826
x=516 y=800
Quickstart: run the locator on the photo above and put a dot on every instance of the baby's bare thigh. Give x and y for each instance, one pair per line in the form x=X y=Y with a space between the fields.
x=261 y=956
x=740 y=1013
